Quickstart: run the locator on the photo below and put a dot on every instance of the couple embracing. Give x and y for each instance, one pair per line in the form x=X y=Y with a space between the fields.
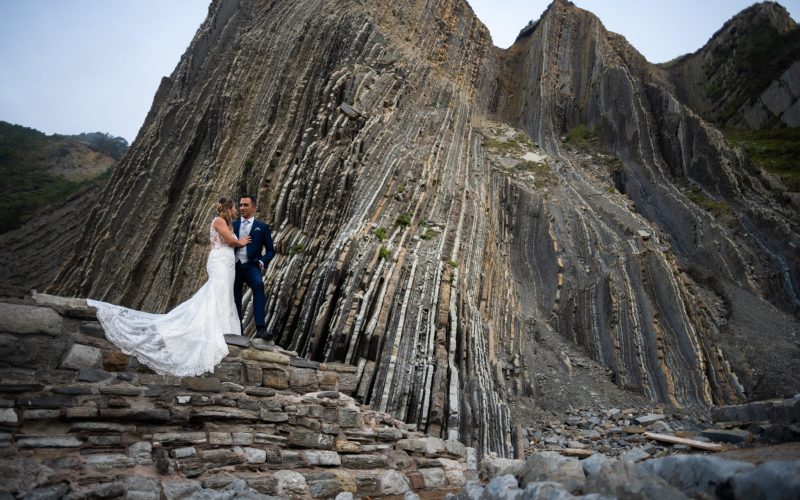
x=189 y=339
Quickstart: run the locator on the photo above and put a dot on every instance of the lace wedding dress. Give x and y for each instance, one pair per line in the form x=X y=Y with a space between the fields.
x=187 y=340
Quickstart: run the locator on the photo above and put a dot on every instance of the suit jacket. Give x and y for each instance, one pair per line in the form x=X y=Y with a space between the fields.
x=260 y=239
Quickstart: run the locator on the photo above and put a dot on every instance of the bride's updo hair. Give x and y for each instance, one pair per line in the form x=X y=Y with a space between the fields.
x=223 y=209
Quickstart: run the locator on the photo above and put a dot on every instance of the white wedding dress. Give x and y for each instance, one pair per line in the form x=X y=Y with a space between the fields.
x=187 y=340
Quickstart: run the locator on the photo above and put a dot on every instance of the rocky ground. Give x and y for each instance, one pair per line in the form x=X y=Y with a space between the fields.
x=550 y=475
x=644 y=452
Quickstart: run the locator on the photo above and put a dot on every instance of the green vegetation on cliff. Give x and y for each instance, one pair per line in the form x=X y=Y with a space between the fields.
x=777 y=151
x=39 y=170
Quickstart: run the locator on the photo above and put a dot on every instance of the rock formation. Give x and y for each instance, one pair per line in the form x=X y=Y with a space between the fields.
x=435 y=232
x=748 y=74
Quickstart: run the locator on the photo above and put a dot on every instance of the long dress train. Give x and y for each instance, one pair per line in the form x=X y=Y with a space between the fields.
x=188 y=340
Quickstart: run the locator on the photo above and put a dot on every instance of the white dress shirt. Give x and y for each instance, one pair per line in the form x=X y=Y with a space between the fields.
x=244 y=230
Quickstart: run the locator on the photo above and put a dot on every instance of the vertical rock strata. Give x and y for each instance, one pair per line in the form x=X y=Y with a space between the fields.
x=410 y=242
x=637 y=268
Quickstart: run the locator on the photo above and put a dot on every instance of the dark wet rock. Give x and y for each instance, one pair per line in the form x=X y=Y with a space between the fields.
x=728 y=435
x=53 y=492
x=22 y=475
x=626 y=480
x=768 y=480
x=696 y=475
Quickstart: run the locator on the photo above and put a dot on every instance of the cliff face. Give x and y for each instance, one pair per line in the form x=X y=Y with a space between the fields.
x=644 y=307
x=748 y=74
x=421 y=235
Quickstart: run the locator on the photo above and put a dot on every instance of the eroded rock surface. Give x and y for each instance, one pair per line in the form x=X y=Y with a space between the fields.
x=433 y=231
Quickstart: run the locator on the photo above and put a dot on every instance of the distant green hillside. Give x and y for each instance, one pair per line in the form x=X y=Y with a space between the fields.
x=39 y=170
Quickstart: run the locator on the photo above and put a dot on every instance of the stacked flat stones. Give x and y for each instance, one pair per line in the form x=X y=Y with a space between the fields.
x=79 y=418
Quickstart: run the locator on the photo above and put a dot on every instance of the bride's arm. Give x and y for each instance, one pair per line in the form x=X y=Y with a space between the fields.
x=222 y=228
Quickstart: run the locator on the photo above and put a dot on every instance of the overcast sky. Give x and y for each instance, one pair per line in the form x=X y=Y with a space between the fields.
x=71 y=66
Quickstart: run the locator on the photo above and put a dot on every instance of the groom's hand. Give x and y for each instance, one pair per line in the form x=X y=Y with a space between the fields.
x=260 y=265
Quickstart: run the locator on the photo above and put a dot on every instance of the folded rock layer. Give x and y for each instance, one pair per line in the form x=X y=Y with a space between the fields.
x=431 y=227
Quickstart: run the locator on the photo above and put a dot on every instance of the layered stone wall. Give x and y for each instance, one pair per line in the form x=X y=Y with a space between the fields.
x=79 y=417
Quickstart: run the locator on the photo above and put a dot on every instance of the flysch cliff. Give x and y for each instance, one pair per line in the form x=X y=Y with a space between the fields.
x=433 y=229
x=747 y=74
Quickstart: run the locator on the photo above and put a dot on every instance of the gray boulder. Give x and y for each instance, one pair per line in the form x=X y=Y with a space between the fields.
x=595 y=463
x=491 y=467
x=545 y=490
x=503 y=487
x=473 y=490
x=695 y=475
x=626 y=480
x=552 y=466
x=769 y=480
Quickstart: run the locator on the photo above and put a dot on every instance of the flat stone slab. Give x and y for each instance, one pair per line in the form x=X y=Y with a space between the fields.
x=649 y=418
x=223 y=413
x=143 y=415
x=237 y=340
x=304 y=363
x=49 y=442
x=263 y=392
x=102 y=427
x=268 y=356
x=108 y=461
x=203 y=384
x=366 y=461
x=24 y=319
x=728 y=436
x=120 y=390
x=93 y=375
x=312 y=440
x=4 y=388
x=70 y=306
x=349 y=110
x=322 y=457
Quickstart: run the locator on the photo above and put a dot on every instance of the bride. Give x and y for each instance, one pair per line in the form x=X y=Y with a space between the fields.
x=187 y=340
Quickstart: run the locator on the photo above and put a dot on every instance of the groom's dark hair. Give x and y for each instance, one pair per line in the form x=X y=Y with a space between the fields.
x=252 y=198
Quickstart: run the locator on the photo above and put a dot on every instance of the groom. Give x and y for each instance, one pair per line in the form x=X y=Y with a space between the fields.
x=250 y=261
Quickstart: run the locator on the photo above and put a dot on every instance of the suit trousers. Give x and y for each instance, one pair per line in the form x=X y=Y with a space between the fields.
x=250 y=273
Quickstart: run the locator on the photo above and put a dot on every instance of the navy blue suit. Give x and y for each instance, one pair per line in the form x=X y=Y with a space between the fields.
x=250 y=272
